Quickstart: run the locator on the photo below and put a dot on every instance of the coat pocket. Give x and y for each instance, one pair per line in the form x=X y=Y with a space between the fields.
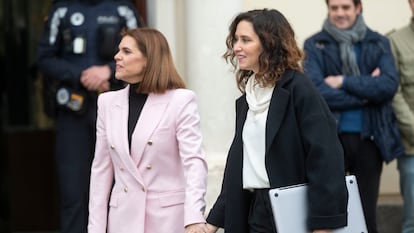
x=386 y=134
x=171 y=198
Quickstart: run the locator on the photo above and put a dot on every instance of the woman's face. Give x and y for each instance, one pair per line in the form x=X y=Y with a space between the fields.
x=247 y=46
x=130 y=63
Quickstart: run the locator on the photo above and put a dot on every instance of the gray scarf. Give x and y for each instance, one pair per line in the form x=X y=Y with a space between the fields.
x=346 y=39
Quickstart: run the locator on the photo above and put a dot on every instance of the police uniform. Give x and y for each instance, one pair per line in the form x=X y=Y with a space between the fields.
x=78 y=35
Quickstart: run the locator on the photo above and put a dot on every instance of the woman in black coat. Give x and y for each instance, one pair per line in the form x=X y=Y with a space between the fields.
x=285 y=133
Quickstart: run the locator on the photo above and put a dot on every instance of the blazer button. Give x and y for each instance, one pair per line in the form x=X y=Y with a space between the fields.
x=143 y=189
x=149 y=166
x=112 y=147
x=149 y=142
x=126 y=189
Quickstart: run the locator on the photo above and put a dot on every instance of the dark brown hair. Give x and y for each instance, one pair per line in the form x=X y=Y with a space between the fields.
x=280 y=49
x=356 y=2
x=160 y=73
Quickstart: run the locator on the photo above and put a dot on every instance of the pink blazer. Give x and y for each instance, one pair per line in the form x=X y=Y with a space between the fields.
x=160 y=185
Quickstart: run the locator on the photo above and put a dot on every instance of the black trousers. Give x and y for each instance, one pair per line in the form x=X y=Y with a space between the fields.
x=363 y=159
x=260 y=213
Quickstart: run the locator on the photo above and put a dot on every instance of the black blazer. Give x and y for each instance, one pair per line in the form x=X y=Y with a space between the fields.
x=301 y=146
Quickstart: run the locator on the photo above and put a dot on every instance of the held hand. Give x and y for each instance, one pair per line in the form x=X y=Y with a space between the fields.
x=334 y=81
x=94 y=77
x=196 y=228
x=211 y=228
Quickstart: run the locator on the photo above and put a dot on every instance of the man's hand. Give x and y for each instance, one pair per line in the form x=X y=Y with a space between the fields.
x=104 y=87
x=334 y=81
x=376 y=72
x=95 y=78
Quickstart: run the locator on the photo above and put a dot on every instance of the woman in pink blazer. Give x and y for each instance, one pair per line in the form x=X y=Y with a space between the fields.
x=149 y=143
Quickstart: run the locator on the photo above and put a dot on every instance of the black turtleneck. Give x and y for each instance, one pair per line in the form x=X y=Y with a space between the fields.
x=136 y=103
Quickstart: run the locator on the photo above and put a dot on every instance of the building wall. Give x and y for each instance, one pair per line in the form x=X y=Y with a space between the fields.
x=197 y=30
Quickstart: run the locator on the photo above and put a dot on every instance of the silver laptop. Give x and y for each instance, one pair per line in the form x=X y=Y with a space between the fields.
x=289 y=205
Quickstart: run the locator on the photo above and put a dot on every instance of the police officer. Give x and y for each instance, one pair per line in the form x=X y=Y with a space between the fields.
x=76 y=51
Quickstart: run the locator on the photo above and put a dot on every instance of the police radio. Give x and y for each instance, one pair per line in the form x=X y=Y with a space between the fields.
x=109 y=38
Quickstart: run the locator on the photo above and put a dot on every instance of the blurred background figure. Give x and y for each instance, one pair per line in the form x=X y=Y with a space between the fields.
x=402 y=45
x=352 y=66
x=75 y=54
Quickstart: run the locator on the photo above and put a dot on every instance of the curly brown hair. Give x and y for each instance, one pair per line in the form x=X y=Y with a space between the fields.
x=280 y=49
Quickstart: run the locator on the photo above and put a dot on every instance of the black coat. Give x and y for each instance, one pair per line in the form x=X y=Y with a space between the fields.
x=302 y=146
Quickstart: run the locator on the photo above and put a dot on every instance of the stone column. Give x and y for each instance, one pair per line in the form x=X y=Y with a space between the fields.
x=208 y=74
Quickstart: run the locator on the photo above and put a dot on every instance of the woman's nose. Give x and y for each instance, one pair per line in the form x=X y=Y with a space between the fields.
x=236 y=47
x=116 y=56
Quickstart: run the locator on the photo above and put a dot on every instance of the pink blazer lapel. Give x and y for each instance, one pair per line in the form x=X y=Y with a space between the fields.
x=151 y=115
x=120 y=116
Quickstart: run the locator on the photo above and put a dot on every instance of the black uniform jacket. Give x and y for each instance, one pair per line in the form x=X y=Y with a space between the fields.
x=302 y=146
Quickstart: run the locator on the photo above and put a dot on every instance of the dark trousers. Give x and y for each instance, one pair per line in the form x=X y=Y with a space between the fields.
x=75 y=144
x=363 y=159
x=260 y=213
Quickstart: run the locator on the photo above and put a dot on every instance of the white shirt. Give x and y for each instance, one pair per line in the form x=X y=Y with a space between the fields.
x=254 y=136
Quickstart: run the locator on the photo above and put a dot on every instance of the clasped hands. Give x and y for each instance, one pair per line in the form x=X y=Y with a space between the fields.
x=201 y=228
x=95 y=78
x=208 y=228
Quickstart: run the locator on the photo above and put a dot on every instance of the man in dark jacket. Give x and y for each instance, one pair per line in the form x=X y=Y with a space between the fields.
x=77 y=51
x=353 y=68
